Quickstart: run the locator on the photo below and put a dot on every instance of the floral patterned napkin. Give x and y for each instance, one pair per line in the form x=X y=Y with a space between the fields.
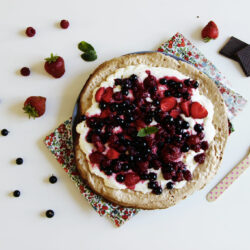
x=60 y=141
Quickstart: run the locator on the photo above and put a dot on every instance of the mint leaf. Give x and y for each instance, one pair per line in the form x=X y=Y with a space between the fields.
x=85 y=47
x=147 y=131
x=89 y=56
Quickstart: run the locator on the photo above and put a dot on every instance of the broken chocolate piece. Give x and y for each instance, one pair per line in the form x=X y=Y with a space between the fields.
x=243 y=56
x=232 y=47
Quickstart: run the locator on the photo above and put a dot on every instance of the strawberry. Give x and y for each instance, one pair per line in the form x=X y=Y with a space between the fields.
x=112 y=154
x=99 y=93
x=105 y=113
x=107 y=96
x=96 y=157
x=167 y=103
x=210 y=31
x=34 y=106
x=54 y=65
x=185 y=107
x=175 y=112
x=131 y=179
x=198 y=111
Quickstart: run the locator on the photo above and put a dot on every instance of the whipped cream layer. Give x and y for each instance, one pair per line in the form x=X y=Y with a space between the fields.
x=187 y=158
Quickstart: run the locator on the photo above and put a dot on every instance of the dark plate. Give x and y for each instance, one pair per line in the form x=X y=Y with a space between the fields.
x=76 y=115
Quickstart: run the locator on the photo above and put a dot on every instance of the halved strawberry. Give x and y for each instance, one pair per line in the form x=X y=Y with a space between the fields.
x=96 y=157
x=112 y=154
x=167 y=103
x=198 y=111
x=99 y=93
x=185 y=107
x=175 y=112
x=131 y=179
x=107 y=96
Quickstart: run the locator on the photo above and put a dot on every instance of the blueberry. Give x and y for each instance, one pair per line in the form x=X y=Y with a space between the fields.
x=131 y=158
x=89 y=136
x=152 y=184
x=185 y=125
x=127 y=142
x=198 y=128
x=19 y=161
x=138 y=158
x=185 y=135
x=186 y=96
x=16 y=193
x=171 y=83
x=170 y=185
x=177 y=94
x=156 y=102
x=168 y=140
x=195 y=84
x=133 y=78
x=178 y=131
x=185 y=148
x=120 y=178
x=152 y=176
x=157 y=190
x=177 y=138
x=167 y=93
x=169 y=119
x=178 y=122
x=52 y=179
x=125 y=167
x=148 y=119
x=127 y=84
x=187 y=82
x=130 y=119
x=102 y=105
x=163 y=81
x=4 y=132
x=118 y=82
x=144 y=176
x=108 y=171
x=178 y=85
x=83 y=118
x=49 y=213
x=125 y=91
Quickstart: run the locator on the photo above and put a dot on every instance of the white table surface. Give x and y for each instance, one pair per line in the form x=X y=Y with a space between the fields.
x=114 y=28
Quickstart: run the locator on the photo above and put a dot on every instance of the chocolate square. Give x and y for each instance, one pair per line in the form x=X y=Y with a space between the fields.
x=244 y=59
x=231 y=47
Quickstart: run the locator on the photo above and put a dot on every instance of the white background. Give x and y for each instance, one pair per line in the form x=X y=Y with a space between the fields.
x=114 y=28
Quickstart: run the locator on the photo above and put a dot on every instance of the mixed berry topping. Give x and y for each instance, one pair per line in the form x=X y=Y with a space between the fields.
x=140 y=132
x=30 y=31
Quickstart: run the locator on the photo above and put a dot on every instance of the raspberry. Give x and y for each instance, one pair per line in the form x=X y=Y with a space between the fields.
x=204 y=145
x=187 y=175
x=200 y=158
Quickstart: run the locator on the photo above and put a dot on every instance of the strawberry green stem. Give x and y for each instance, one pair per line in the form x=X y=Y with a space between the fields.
x=52 y=58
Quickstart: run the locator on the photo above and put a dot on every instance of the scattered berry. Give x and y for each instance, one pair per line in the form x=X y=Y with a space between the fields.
x=49 y=213
x=54 y=65
x=25 y=71
x=34 y=106
x=19 y=161
x=210 y=31
x=30 y=31
x=52 y=179
x=64 y=24
x=4 y=132
x=16 y=193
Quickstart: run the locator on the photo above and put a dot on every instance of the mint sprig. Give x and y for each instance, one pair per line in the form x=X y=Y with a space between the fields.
x=147 y=131
x=89 y=53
